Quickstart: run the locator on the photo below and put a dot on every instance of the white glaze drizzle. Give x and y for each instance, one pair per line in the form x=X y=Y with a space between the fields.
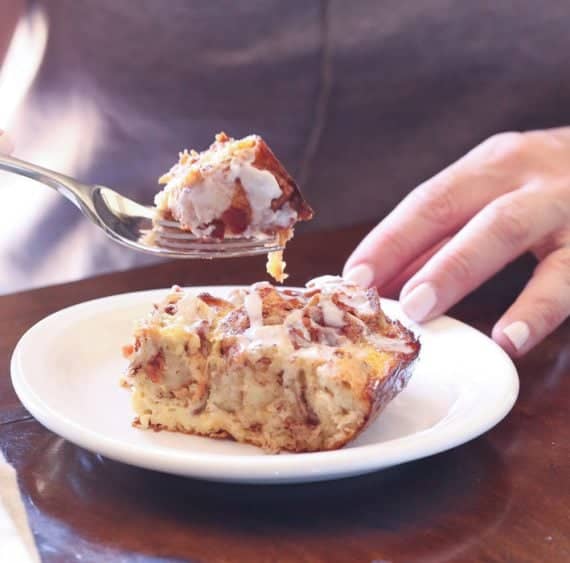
x=254 y=308
x=332 y=315
x=206 y=200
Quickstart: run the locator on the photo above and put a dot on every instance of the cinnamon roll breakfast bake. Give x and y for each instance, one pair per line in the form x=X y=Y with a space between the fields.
x=285 y=369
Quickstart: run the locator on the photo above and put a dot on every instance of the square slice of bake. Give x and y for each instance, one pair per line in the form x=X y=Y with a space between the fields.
x=283 y=369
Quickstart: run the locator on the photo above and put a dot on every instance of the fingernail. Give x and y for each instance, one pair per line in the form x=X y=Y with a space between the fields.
x=518 y=333
x=419 y=302
x=361 y=274
x=6 y=145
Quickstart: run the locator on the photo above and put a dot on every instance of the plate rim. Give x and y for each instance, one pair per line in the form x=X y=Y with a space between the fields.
x=269 y=468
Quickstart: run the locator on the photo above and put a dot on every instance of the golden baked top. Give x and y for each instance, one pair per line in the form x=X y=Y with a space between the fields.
x=330 y=316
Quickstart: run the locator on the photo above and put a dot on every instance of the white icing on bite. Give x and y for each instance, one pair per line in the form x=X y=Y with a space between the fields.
x=199 y=193
x=201 y=204
x=260 y=186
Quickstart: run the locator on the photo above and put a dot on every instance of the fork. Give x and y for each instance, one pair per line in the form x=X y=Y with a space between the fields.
x=134 y=225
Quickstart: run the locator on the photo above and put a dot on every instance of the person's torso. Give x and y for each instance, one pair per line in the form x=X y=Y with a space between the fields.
x=361 y=100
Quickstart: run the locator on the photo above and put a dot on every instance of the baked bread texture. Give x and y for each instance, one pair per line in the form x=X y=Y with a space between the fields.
x=294 y=370
x=236 y=188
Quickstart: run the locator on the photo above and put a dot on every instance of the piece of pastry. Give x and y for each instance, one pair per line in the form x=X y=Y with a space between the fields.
x=236 y=188
x=294 y=370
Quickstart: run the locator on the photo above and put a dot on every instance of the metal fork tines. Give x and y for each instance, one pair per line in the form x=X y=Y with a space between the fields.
x=168 y=234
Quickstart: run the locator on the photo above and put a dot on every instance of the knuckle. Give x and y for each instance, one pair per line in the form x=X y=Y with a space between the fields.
x=509 y=221
x=561 y=264
x=459 y=267
x=437 y=203
x=549 y=312
x=396 y=243
x=559 y=204
x=505 y=148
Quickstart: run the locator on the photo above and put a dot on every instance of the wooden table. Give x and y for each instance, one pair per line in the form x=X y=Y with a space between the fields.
x=502 y=497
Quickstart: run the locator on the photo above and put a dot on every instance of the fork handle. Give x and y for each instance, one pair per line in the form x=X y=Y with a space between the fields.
x=73 y=190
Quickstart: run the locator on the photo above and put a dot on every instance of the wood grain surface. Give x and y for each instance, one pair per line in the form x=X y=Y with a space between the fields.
x=502 y=497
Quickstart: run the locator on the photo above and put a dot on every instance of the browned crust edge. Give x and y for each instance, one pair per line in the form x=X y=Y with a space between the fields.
x=266 y=160
x=382 y=391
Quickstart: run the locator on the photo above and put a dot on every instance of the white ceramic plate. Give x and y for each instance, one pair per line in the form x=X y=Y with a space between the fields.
x=66 y=372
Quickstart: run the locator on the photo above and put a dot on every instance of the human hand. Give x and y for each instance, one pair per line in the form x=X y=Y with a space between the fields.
x=509 y=195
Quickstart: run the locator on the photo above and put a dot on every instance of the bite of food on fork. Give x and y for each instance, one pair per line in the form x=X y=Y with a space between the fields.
x=234 y=199
x=234 y=190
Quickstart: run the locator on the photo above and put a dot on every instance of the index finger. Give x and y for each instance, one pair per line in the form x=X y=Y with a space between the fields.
x=436 y=209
